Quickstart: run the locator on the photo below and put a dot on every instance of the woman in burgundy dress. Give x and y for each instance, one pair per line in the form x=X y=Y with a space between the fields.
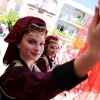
x=23 y=80
x=48 y=60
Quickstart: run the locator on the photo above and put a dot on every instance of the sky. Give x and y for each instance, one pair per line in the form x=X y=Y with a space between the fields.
x=88 y=3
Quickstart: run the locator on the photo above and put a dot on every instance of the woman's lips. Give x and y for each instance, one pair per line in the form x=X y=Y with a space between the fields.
x=35 y=54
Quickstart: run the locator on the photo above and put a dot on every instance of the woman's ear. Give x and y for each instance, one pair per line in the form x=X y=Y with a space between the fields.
x=18 y=46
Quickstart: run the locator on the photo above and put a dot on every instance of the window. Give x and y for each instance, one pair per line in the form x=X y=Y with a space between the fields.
x=76 y=33
x=77 y=16
x=52 y=6
x=59 y=26
x=62 y=28
x=17 y=7
x=44 y=4
x=70 y=31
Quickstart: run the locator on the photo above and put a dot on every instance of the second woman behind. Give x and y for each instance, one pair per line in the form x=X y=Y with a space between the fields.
x=48 y=59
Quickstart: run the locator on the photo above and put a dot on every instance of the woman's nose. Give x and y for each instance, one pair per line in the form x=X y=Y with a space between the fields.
x=55 y=50
x=37 y=47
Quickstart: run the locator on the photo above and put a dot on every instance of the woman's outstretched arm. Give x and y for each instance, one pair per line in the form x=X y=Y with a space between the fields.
x=91 y=56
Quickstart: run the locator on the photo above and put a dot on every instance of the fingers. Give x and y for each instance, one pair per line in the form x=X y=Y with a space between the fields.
x=99 y=14
x=99 y=7
x=95 y=19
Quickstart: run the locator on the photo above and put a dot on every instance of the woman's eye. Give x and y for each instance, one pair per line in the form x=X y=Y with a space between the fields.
x=31 y=42
x=41 y=43
x=57 y=48
x=52 y=47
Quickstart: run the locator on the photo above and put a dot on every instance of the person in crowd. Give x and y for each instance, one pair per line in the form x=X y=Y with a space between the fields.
x=70 y=53
x=48 y=59
x=67 y=55
x=23 y=80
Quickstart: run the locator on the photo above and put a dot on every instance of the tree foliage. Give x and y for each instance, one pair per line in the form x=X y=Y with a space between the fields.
x=65 y=35
x=9 y=18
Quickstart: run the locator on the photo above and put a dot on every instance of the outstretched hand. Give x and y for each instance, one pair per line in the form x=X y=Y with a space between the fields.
x=91 y=56
x=94 y=33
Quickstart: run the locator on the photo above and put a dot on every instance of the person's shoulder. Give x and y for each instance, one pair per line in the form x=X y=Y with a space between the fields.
x=40 y=60
x=13 y=70
x=14 y=66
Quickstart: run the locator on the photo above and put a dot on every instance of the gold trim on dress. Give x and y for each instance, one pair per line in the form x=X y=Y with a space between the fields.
x=18 y=63
x=6 y=94
x=47 y=63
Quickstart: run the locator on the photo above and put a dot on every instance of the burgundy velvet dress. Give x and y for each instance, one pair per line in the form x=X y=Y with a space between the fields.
x=45 y=63
x=19 y=83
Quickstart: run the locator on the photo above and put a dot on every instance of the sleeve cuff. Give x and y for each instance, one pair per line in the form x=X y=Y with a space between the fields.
x=64 y=77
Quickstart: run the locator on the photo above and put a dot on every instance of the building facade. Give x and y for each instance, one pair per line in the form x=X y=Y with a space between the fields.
x=68 y=16
x=73 y=19
x=45 y=9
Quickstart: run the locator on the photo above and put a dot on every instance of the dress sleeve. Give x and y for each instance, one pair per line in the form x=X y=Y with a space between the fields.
x=42 y=65
x=64 y=77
